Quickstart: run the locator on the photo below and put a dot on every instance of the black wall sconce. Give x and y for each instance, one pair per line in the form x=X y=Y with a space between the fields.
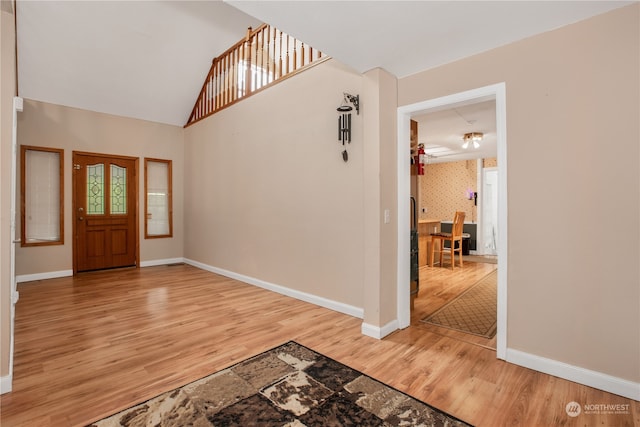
x=344 y=120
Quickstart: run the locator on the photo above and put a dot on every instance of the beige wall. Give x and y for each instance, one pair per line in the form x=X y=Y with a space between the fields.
x=573 y=100
x=444 y=186
x=7 y=92
x=380 y=183
x=49 y=125
x=270 y=197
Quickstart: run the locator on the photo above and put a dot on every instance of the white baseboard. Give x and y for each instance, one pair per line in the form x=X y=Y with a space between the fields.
x=66 y=273
x=5 y=384
x=43 y=276
x=156 y=262
x=303 y=296
x=377 y=331
x=608 y=383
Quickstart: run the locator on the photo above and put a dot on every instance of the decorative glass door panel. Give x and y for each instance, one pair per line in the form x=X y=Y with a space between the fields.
x=118 y=190
x=95 y=189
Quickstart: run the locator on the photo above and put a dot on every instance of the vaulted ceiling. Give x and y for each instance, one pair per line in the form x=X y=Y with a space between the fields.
x=148 y=59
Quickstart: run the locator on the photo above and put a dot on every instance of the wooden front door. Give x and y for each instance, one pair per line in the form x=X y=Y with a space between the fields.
x=105 y=210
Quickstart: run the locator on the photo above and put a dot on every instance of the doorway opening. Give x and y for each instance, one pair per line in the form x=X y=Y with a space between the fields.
x=105 y=212
x=493 y=92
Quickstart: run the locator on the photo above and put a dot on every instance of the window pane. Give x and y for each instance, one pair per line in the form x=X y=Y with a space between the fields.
x=158 y=203
x=42 y=196
x=95 y=189
x=118 y=190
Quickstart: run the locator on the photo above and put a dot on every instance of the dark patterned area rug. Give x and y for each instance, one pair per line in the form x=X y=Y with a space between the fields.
x=288 y=386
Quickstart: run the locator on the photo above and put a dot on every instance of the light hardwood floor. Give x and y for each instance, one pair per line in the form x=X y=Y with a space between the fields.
x=91 y=345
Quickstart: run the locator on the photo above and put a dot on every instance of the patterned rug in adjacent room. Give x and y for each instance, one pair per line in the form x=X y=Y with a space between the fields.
x=473 y=311
x=288 y=386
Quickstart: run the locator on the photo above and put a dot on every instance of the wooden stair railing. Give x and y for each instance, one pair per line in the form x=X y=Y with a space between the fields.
x=265 y=56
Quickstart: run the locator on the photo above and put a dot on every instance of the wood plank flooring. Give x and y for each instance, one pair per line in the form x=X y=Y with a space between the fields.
x=91 y=345
x=438 y=286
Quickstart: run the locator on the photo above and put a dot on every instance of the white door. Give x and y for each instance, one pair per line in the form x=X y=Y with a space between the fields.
x=489 y=211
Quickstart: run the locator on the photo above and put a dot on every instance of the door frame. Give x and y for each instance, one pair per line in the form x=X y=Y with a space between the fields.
x=74 y=202
x=495 y=92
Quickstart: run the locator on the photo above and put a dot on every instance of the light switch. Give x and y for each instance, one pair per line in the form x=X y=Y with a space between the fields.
x=387 y=216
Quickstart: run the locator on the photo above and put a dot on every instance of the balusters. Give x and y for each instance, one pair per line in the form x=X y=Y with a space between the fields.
x=247 y=71
x=295 y=58
x=262 y=57
x=228 y=75
x=279 y=74
x=287 y=71
x=256 y=75
x=268 y=60
x=207 y=104
x=217 y=84
x=234 y=80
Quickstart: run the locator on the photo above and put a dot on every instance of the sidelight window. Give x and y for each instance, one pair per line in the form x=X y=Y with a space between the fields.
x=158 y=201
x=41 y=192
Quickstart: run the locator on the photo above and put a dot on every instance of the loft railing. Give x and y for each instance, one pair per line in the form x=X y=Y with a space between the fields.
x=265 y=56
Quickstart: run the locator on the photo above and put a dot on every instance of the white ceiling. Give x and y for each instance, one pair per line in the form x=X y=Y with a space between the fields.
x=148 y=59
x=442 y=132
x=141 y=59
x=405 y=37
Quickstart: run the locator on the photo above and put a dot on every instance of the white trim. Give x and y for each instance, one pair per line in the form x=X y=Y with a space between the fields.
x=378 y=332
x=608 y=383
x=497 y=92
x=303 y=296
x=5 y=384
x=404 y=192
x=43 y=276
x=156 y=262
x=503 y=261
x=66 y=273
x=18 y=106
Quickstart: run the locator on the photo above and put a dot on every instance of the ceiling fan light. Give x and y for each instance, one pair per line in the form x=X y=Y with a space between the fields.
x=474 y=137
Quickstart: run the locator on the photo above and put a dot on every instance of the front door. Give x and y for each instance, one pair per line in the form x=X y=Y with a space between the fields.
x=105 y=209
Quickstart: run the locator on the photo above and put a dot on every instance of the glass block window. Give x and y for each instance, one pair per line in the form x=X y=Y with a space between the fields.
x=118 y=190
x=95 y=189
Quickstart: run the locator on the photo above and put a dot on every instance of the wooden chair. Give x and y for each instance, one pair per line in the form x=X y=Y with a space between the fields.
x=453 y=237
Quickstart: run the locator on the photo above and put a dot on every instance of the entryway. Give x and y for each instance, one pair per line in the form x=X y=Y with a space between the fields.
x=105 y=226
x=495 y=92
